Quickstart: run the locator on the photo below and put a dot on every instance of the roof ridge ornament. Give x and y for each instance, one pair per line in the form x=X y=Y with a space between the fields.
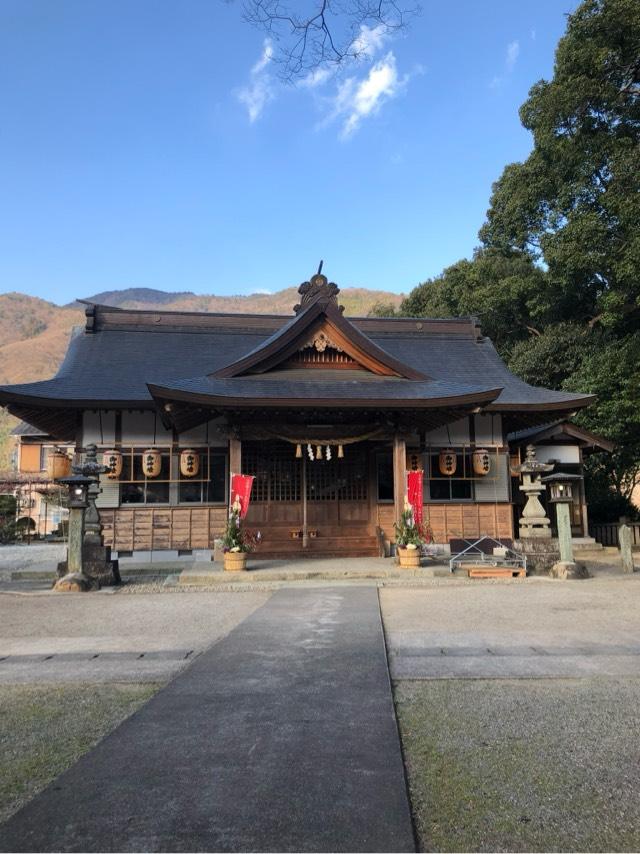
x=318 y=290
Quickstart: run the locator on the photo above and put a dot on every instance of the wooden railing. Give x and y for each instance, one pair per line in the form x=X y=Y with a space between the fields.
x=607 y=534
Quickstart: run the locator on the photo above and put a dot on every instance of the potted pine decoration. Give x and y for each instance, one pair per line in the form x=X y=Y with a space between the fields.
x=237 y=542
x=409 y=538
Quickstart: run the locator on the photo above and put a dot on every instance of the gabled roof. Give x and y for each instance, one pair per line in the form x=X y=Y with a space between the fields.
x=24 y=429
x=327 y=316
x=144 y=359
x=561 y=431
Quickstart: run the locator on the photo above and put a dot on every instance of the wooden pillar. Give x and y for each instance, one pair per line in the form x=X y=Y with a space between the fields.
x=235 y=456
x=235 y=460
x=399 y=474
x=583 y=499
x=305 y=527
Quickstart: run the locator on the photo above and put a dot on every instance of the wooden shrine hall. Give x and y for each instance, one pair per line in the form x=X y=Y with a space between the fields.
x=326 y=412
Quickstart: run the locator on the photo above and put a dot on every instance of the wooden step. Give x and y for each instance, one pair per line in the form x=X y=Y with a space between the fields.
x=480 y=571
x=283 y=532
x=313 y=541
x=338 y=555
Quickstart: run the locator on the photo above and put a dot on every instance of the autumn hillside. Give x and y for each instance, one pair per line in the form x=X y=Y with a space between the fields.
x=34 y=333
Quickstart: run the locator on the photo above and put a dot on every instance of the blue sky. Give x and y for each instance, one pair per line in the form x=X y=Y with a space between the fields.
x=148 y=143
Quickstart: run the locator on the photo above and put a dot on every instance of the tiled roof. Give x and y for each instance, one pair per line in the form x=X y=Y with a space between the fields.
x=128 y=351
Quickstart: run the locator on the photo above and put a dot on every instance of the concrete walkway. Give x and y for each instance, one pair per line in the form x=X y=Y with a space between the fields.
x=281 y=737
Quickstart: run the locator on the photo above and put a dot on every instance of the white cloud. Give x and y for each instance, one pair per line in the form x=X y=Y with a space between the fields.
x=533 y=35
x=366 y=45
x=259 y=91
x=357 y=99
x=510 y=59
x=513 y=51
x=369 y=40
x=315 y=78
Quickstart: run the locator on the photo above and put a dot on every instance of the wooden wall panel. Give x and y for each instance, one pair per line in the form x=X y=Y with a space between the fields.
x=145 y=528
x=453 y=521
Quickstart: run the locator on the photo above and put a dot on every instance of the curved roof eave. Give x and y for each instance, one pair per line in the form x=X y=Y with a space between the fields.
x=477 y=398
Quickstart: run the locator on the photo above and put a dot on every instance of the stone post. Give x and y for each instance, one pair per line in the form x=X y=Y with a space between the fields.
x=564 y=532
x=76 y=537
x=624 y=537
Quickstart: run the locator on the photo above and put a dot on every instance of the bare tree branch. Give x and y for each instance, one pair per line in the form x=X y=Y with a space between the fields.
x=327 y=33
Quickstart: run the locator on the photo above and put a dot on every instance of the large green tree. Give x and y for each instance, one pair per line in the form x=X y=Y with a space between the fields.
x=575 y=202
x=557 y=280
x=505 y=290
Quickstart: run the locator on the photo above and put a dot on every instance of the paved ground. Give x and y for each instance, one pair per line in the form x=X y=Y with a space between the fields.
x=102 y=637
x=555 y=629
x=281 y=737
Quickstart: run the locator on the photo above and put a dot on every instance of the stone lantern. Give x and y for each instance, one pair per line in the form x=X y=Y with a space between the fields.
x=561 y=494
x=88 y=563
x=78 y=485
x=534 y=521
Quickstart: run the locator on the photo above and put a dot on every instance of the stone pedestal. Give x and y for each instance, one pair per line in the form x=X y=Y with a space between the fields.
x=564 y=569
x=541 y=553
x=99 y=568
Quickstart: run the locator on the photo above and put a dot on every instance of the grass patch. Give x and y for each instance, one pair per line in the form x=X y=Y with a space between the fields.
x=44 y=729
x=522 y=765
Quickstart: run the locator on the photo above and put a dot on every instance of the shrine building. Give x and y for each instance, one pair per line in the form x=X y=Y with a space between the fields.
x=328 y=413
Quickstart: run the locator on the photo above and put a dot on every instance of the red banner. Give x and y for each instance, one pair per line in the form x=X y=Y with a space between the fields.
x=414 y=494
x=241 y=491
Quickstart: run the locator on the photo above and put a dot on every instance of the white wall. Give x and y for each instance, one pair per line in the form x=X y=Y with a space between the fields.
x=488 y=428
x=144 y=428
x=558 y=453
x=205 y=434
x=495 y=486
x=452 y=434
x=99 y=428
x=110 y=495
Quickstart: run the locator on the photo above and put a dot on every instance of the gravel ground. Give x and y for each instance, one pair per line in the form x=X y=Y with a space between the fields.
x=34 y=555
x=555 y=613
x=100 y=622
x=527 y=765
x=104 y=637
x=45 y=729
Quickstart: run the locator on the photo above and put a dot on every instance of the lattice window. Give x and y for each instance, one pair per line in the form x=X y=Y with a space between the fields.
x=276 y=470
x=345 y=480
x=278 y=475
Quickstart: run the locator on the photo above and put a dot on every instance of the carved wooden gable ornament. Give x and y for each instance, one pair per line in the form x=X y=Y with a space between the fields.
x=319 y=336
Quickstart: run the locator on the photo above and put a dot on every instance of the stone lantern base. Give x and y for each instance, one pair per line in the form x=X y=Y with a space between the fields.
x=74 y=582
x=98 y=567
x=564 y=569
